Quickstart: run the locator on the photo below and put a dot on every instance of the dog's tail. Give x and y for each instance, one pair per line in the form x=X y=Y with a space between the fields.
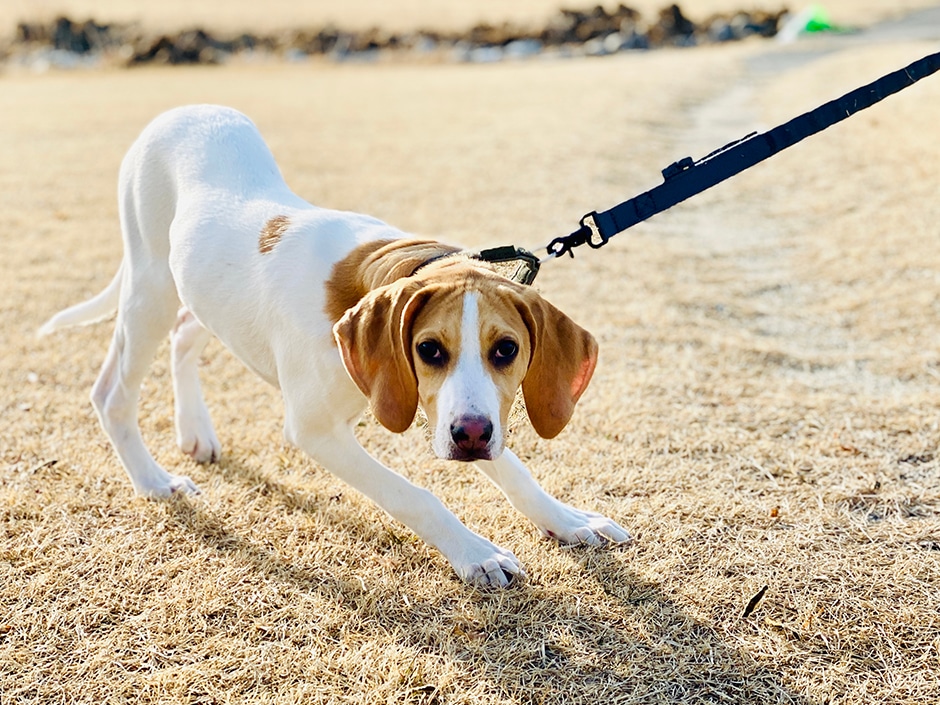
x=95 y=309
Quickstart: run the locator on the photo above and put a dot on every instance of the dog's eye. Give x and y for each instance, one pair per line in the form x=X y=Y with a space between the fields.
x=432 y=353
x=504 y=352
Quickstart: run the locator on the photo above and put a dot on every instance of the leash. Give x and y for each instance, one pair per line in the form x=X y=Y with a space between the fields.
x=687 y=177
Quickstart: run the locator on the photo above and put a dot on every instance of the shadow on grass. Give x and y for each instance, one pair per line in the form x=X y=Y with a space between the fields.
x=620 y=640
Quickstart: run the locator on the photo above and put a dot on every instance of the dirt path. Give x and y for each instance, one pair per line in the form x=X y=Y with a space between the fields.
x=737 y=226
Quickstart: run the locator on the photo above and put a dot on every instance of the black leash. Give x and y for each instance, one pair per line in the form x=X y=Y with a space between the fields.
x=686 y=177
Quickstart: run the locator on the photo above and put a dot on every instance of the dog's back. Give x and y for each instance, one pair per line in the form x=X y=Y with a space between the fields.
x=208 y=221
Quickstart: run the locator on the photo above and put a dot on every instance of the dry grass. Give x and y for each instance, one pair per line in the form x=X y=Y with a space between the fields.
x=764 y=413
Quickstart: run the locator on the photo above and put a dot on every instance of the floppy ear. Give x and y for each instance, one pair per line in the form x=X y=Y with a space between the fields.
x=374 y=339
x=562 y=361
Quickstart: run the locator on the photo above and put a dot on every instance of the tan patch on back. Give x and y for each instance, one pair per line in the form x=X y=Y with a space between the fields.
x=375 y=264
x=272 y=232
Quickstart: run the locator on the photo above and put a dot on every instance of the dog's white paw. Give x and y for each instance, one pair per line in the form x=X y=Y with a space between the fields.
x=485 y=564
x=196 y=437
x=570 y=526
x=160 y=484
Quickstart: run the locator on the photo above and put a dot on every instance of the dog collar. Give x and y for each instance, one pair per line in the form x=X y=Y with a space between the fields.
x=524 y=273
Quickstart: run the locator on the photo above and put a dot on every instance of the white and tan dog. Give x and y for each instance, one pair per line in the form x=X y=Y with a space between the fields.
x=299 y=293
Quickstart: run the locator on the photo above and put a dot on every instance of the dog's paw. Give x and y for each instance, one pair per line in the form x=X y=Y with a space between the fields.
x=159 y=484
x=487 y=565
x=196 y=438
x=570 y=526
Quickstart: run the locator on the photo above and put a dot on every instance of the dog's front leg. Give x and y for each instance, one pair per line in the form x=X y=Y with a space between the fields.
x=474 y=558
x=555 y=519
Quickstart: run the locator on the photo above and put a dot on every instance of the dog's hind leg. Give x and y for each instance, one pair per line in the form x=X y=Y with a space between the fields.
x=194 y=432
x=116 y=392
x=146 y=311
x=145 y=315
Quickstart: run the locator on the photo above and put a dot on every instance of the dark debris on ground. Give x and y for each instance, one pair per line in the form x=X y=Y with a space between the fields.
x=594 y=31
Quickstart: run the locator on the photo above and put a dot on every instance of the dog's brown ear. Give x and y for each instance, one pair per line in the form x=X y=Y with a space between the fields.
x=562 y=361
x=374 y=339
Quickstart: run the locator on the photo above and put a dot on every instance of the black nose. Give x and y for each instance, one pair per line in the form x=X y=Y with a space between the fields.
x=471 y=434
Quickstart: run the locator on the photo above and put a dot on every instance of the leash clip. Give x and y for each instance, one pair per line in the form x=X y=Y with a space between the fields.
x=590 y=233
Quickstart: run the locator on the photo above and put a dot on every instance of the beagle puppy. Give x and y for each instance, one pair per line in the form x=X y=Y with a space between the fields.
x=336 y=309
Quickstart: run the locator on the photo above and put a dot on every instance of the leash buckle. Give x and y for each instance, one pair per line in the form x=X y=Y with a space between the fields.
x=597 y=235
x=527 y=269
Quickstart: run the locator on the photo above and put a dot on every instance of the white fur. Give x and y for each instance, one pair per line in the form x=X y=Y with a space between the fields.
x=469 y=390
x=195 y=191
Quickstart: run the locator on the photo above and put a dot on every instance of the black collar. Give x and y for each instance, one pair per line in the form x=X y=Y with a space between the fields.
x=525 y=273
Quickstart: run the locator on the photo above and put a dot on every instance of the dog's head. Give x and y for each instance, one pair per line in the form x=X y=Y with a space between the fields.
x=461 y=341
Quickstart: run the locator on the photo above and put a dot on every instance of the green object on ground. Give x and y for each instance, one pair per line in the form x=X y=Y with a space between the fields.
x=818 y=20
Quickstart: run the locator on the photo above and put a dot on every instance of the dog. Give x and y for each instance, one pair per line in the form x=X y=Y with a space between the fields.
x=337 y=310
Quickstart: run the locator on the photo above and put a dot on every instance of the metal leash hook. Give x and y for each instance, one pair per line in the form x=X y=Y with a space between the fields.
x=589 y=233
x=565 y=245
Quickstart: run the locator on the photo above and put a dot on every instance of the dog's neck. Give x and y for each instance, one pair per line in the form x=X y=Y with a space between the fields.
x=376 y=264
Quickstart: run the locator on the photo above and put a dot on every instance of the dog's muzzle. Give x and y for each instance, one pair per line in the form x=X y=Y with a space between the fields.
x=471 y=436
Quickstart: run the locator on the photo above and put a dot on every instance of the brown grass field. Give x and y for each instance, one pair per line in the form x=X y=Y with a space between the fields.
x=764 y=411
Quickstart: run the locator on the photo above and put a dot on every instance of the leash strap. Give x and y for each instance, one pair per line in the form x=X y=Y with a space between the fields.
x=687 y=177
